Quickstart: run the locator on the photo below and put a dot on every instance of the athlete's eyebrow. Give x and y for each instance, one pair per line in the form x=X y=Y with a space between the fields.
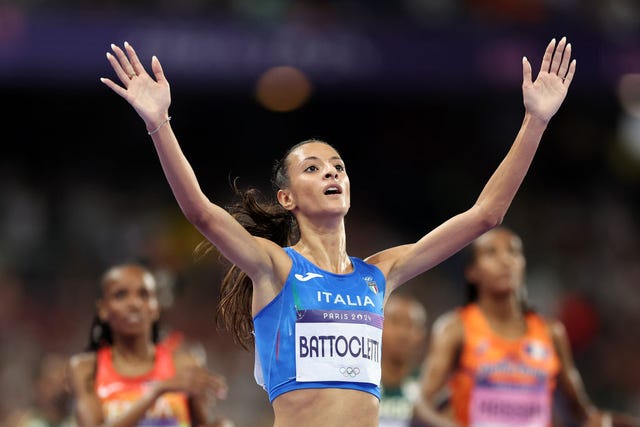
x=317 y=158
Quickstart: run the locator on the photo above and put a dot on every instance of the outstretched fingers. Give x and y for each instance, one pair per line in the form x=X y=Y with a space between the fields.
x=136 y=65
x=557 y=60
x=150 y=98
x=124 y=63
x=120 y=72
x=558 y=56
x=526 y=71
x=566 y=60
x=115 y=87
x=569 y=77
x=157 y=70
x=548 y=56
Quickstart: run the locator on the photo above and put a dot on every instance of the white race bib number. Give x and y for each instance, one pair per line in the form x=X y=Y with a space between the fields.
x=338 y=345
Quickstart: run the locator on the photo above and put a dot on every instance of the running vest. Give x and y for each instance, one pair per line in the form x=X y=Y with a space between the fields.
x=117 y=393
x=323 y=330
x=504 y=382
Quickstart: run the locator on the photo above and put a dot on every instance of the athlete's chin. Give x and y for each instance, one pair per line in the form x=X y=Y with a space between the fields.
x=503 y=292
x=504 y=286
x=335 y=211
x=133 y=330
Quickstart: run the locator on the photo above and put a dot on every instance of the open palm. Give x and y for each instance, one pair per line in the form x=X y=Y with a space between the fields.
x=148 y=96
x=543 y=97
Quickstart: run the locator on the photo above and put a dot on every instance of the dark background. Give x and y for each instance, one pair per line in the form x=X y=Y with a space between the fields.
x=421 y=97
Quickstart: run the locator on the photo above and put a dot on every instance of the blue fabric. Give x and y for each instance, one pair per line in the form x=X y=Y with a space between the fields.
x=311 y=288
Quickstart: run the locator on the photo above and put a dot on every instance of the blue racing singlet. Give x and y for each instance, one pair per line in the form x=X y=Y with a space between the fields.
x=323 y=330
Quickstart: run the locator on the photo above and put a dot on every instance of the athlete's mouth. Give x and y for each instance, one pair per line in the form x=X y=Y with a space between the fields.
x=133 y=318
x=333 y=189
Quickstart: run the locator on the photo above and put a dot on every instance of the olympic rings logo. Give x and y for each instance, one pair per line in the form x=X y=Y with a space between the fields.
x=348 y=371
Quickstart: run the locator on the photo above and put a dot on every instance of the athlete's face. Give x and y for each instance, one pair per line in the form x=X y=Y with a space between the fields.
x=499 y=264
x=129 y=303
x=318 y=181
x=404 y=329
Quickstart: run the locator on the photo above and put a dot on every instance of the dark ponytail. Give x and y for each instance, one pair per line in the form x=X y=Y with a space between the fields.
x=262 y=219
x=270 y=221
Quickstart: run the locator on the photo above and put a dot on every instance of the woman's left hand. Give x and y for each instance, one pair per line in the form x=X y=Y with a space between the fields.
x=543 y=97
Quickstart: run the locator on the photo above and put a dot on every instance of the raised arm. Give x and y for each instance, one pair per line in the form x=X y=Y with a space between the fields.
x=542 y=99
x=150 y=97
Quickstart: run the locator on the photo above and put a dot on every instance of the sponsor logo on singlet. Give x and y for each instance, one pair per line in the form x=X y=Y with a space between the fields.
x=104 y=391
x=307 y=276
x=537 y=350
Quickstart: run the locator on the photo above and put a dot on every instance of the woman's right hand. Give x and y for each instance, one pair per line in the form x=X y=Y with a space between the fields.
x=148 y=96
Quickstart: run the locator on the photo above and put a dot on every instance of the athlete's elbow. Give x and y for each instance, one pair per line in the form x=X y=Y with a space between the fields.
x=489 y=217
x=494 y=219
x=195 y=213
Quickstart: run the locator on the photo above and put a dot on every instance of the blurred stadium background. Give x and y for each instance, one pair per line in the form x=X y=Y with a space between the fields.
x=422 y=98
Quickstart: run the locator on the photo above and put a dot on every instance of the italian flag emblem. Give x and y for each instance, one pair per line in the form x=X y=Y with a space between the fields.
x=373 y=287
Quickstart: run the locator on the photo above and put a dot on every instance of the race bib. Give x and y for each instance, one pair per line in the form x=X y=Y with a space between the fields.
x=338 y=345
x=507 y=407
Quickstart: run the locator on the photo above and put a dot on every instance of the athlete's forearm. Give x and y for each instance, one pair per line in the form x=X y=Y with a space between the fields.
x=501 y=188
x=179 y=173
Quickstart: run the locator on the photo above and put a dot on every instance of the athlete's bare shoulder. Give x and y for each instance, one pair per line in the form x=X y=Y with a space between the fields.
x=449 y=326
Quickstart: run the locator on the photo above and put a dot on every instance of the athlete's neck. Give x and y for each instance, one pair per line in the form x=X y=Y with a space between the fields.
x=505 y=316
x=326 y=247
x=133 y=351
x=503 y=309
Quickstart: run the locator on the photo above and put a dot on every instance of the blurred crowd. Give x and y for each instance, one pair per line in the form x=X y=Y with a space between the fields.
x=609 y=15
x=584 y=270
x=581 y=228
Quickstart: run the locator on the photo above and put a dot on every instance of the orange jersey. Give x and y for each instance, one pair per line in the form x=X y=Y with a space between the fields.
x=117 y=393
x=504 y=382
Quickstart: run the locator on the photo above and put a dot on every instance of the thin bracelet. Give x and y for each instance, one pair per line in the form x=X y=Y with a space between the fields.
x=151 y=132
